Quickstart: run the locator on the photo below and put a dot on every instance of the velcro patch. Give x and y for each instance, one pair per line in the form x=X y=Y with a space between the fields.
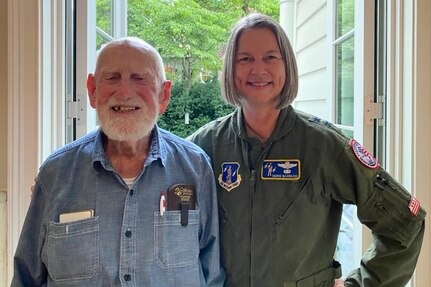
x=229 y=178
x=414 y=206
x=282 y=169
x=363 y=155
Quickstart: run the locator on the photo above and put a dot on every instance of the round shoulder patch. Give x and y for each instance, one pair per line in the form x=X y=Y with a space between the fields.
x=363 y=155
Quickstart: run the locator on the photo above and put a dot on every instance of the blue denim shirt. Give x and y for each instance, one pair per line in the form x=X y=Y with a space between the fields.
x=127 y=242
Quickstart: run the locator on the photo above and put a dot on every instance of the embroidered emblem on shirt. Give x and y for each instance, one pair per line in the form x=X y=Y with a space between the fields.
x=363 y=155
x=282 y=169
x=414 y=206
x=230 y=177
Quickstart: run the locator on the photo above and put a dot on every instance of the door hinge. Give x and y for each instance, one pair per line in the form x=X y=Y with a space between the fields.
x=76 y=110
x=373 y=111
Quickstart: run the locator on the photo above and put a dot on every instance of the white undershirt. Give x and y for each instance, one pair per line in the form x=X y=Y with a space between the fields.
x=129 y=181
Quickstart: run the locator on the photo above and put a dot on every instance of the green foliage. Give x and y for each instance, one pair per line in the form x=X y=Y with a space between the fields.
x=203 y=103
x=103 y=20
x=186 y=35
x=190 y=34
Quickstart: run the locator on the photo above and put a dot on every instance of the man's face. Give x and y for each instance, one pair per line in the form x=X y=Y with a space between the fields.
x=127 y=92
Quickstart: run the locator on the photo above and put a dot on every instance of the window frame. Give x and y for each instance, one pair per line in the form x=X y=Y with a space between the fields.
x=31 y=137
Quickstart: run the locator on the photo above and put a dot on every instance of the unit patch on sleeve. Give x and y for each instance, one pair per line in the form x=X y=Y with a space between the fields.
x=230 y=177
x=281 y=169
x=363 y=155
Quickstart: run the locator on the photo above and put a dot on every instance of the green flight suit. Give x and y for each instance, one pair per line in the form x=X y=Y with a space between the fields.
x=280 y=205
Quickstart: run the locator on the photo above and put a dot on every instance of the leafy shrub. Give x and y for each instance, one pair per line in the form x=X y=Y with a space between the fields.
x=203 y=103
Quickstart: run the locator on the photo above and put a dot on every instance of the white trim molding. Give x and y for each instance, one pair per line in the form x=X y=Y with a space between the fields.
x=23 y=124
x=421 y=168
x=409 y=105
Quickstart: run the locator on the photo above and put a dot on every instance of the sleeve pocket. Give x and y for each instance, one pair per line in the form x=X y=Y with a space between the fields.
x=387 y=212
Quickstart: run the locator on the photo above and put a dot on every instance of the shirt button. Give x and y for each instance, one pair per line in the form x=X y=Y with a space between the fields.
x=127 y=277
x=131 y=192
x=128 y=233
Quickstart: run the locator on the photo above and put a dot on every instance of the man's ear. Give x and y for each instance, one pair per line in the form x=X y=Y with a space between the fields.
x=91 y=90
x=165 y=96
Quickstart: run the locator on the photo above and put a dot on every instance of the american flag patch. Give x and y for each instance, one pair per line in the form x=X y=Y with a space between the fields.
x=414 y=206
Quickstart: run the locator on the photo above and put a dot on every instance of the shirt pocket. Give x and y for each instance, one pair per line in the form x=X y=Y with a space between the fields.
x=175 y=245
x=73 y=249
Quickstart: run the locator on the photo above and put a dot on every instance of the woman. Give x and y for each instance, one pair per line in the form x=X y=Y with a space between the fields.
x=283 y=177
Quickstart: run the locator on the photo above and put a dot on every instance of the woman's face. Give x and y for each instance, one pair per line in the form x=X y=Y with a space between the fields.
x=259 y=68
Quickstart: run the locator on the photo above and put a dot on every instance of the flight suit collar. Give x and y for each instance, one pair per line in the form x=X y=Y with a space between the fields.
x=286 y=120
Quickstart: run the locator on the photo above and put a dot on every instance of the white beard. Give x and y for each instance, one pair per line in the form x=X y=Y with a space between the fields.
x=120 y=129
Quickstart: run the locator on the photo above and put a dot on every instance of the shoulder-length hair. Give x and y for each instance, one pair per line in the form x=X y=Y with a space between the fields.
x=256 y=20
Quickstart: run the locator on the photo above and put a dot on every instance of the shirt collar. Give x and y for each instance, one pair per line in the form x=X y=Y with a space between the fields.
x=157 y=150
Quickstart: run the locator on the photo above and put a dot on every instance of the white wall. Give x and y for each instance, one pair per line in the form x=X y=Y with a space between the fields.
x=311 y=40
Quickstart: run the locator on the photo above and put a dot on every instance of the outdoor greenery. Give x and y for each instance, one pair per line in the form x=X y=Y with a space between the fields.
x=203 y=102
x=190 y=36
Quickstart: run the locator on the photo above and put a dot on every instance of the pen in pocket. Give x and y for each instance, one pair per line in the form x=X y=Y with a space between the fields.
x=162 y=203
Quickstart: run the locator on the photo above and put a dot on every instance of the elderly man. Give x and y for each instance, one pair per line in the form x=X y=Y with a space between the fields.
x=130 y=204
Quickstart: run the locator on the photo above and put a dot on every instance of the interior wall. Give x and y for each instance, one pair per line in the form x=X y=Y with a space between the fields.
x=3 y=95
x=3 y=142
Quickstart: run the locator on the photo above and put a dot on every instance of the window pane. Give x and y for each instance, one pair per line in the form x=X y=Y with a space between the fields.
x=345 y=245
x=347 y=132
x=103 y=22
x=344 y=82
x=345 y=16
x=69 y=67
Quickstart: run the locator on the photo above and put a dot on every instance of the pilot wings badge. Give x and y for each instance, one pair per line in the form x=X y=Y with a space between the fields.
x=230 y=177
x=281 y=169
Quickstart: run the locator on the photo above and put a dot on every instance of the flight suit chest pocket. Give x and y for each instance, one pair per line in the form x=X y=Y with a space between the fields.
x=73 y=249
x=175 y=245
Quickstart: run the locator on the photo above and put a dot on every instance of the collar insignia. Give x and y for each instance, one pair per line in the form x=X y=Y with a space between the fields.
x=230 y=177
x=282 y=169
x=320 y=121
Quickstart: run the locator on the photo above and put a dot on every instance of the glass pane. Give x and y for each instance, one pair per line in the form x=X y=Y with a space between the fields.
x=103 y=22
x=344 y=82
x=69 y=67
x=348 y=132
x=381 y=56
x=345 y=245
x=345 y=16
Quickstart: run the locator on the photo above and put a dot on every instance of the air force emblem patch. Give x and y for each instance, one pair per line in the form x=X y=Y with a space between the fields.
x=230 y=177
x=363 y=155
x=283 y=169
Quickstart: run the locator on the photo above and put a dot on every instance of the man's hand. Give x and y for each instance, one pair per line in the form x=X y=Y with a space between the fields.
x=339 y=283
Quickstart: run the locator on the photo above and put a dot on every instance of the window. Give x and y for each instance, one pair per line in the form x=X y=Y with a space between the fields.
x=344 y=62
x=97 y=22
x=344 y=115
